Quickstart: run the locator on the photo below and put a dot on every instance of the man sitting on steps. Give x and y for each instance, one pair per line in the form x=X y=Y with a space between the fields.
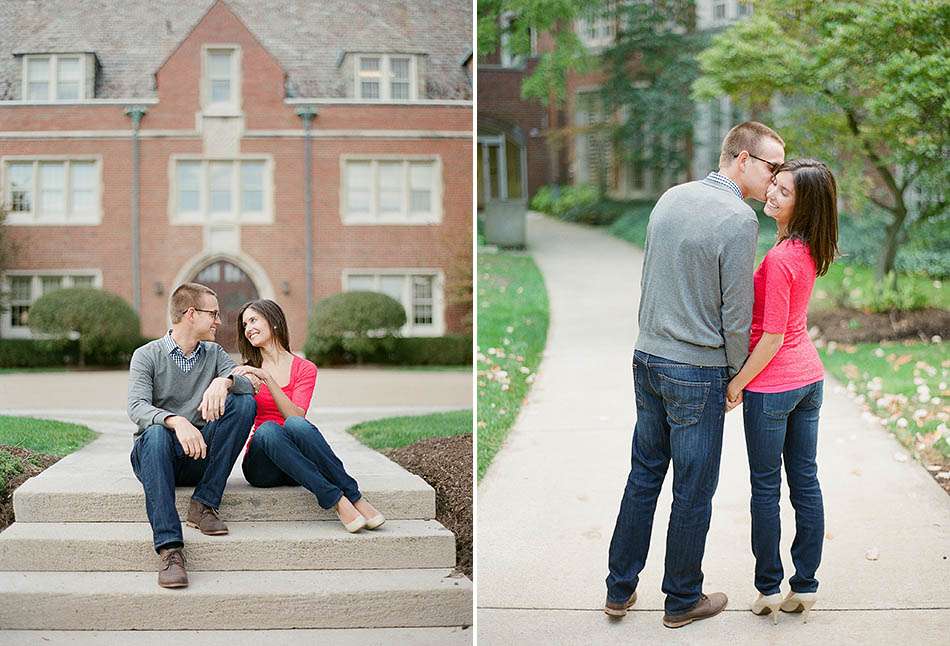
x=193 y=418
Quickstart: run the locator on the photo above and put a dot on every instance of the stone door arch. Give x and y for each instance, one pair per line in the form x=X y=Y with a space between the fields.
x=234 y=288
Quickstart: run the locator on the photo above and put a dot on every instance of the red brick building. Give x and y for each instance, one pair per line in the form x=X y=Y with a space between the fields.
x=154 y=143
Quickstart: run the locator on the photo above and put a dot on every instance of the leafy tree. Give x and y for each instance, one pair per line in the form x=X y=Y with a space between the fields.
x=650 y=68
x=554 y=17
x=863 y=85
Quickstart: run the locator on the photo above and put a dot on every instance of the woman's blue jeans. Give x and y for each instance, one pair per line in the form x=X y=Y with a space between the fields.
x=785 y=426
x=297 y=454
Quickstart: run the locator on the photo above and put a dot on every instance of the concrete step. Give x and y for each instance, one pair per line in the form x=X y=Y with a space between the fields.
x=107 y=601
x=96 y=484
x=439 y=636
x=317 y=545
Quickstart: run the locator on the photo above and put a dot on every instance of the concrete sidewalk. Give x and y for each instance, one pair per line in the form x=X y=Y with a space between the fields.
x=336 y=387
x=547 y=506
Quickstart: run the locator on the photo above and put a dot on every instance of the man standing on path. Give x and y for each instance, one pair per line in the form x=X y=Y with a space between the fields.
x=694 y=319
x=193 y=418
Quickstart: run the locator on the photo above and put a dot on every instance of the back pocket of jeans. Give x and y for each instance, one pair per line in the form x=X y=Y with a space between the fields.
x=685 y=400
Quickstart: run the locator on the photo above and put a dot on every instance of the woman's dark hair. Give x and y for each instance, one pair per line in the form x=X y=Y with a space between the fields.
x=814 y=218
x=278 y=324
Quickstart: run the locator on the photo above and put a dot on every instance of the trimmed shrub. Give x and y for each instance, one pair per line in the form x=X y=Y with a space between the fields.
x=10 y=466
x=359 y=324
x=108 y=327
x=34 y=353
x=429 y=351
x=543 y=199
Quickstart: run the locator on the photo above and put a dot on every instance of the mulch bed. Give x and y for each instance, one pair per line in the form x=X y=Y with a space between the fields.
x=446 y=464
x=30 y=469
x=855 y=326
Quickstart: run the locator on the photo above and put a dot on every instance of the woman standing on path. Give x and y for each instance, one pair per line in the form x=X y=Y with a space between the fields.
x=780 y=384
x=284 y=448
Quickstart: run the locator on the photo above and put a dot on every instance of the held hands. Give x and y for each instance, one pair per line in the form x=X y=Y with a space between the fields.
x=213 y=400
x=191 y=439
x=733 y=395
x=257 y=376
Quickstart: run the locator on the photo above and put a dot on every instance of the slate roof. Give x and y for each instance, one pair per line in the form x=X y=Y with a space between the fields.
x=132 y=38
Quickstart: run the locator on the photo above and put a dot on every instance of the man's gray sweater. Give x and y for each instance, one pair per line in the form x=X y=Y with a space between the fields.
x=158 y=388
x=696 y=289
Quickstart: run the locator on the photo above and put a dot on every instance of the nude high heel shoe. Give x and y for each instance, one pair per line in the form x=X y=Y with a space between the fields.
x=768 y=605
x=354 y=525
x=800 y=602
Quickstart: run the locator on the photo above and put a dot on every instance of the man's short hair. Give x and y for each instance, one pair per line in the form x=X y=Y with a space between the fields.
x=185 y=296
x=747 y=136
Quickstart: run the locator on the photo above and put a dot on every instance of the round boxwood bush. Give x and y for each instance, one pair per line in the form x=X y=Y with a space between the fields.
x=358 y=324
x=107 y=326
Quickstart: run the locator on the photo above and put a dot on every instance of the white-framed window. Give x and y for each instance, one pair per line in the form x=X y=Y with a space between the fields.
x=391 y=190
x=220 y=190
x=419 y=290
x=596 y=32
x=221 y=79
x=54 y=77
x=743 y=9
x=386 y=77
x=23 y=287
x=52 y=190
x=719 y=10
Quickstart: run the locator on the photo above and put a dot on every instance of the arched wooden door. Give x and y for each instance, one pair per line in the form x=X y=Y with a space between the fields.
x=234 y=288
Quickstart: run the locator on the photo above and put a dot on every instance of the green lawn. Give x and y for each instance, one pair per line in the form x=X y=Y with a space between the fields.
x=903 y=383
x=43 y=435
x=396 y=432
x=39 y=435
x=512 y=330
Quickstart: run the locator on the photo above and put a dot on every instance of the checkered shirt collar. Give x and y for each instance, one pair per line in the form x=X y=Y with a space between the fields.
x=719 y=179
x=178 y=355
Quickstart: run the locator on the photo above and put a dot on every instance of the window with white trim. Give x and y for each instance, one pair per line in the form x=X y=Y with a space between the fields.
x=596 y=31
x=391 y=191
x=719 y=10
x=52 y=191
x=231 y=190
x=23 y=290
x=54 y=77
x=222 y=79
x=743 y=9
x=386 y=77
x=419 y=292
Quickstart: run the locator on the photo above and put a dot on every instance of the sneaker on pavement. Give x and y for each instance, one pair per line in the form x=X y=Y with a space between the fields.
x=172 y=574
x=705 y=608
x=205 y=519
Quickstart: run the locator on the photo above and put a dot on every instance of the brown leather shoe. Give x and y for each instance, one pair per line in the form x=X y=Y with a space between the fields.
x=707 y=607
x=619 y=608
x=172 y=574
x=205 y=519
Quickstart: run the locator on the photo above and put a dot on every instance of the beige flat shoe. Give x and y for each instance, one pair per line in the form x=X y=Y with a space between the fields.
x=801 y=602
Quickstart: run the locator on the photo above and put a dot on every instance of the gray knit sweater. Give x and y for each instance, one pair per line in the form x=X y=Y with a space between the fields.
x=159 y=389
x=696 y=289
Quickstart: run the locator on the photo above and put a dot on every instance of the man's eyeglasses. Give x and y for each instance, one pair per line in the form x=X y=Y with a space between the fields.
x=214 y=313
x=773 y=166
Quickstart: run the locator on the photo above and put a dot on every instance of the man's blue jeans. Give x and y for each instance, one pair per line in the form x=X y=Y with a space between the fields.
x=160 y=464
x=777 y=426
x=680 y=414
x=297 y=454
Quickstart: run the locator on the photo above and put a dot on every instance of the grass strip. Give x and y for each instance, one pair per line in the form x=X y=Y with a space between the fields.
x=512 y=331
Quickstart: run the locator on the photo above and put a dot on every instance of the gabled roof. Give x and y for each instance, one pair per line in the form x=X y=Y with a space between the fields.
x=132 y=38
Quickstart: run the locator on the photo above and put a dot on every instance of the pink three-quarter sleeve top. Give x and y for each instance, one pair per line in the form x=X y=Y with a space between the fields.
x=303 y=378
x=783 y=284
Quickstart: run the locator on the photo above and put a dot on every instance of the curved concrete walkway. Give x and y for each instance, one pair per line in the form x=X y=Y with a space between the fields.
x=546 y=507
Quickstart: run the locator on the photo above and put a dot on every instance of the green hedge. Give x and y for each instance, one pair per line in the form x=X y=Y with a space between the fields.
x=31 y=353
x=407 y=351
